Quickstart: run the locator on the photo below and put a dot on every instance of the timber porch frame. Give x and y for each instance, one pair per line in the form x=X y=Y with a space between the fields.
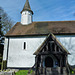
x=51 y=46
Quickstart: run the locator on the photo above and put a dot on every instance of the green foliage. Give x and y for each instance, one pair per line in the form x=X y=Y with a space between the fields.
x=72 y=72
x=23 y=72
x=4 y=64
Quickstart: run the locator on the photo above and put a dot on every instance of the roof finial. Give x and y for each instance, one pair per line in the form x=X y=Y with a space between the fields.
x=27 y=7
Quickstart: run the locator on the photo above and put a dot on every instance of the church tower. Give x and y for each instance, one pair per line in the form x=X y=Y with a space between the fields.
x=26 y=14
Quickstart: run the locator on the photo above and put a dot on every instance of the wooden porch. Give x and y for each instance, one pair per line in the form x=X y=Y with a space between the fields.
x=52 y=71
x=51 y=58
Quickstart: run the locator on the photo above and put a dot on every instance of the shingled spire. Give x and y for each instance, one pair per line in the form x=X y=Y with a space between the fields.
x=27 y=7
x=26 y=14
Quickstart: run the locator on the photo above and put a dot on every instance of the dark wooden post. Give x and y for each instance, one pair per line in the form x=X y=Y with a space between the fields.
x=41 y=64
x=64 y=60
x=55 y=47
x=45 y=70
x=47 y=47
x=50 y=46
x=66 y=64
x=61 y=68
x=36 y=68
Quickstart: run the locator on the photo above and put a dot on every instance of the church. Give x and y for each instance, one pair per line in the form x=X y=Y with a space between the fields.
x=43 y=44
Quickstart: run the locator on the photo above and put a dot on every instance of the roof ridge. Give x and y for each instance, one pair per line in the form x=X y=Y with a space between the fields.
x=56 y=21
x=51 y=21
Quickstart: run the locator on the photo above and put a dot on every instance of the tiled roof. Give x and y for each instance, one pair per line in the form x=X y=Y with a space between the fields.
x=55 y=27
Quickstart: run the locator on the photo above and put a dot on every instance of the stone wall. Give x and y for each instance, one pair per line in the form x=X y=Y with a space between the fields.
x=53 y=71
x=7 y=73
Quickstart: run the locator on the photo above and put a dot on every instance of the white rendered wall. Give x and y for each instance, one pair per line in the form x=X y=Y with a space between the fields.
x=5 y=49
x=26 y=17
x=17 y=56
x=68 y=41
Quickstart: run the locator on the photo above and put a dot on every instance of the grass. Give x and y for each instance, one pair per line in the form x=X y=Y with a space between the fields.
x=25 y=72
x=22 y=72
x=72 y=72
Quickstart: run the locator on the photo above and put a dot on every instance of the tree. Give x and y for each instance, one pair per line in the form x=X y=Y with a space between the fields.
x=1 y=33
x=0 y=27
x=6 y=22
x=5 y=25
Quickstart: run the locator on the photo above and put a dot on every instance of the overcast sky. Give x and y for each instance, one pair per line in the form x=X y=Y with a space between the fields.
x=44 y=10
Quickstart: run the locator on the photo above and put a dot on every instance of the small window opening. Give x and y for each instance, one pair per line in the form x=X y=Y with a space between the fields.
x=24 y=45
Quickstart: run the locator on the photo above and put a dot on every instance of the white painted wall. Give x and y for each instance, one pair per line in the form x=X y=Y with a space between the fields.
x=17 y=56
x=68 y=42
x=5 y=49
x=26 y=17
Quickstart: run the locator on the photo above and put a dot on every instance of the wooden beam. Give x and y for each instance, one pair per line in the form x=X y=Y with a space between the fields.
x=48 y=46
x=36 y=69
x=48 y=52
x=61 y=67
x=41 y=64
x=55 y=47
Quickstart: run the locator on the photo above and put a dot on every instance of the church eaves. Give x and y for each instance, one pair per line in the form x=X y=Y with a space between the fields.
x=27 y=7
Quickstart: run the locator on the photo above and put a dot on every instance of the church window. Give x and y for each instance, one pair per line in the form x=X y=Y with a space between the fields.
x=24 y=45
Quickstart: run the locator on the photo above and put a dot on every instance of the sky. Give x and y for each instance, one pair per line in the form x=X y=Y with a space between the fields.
x=44 y=10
